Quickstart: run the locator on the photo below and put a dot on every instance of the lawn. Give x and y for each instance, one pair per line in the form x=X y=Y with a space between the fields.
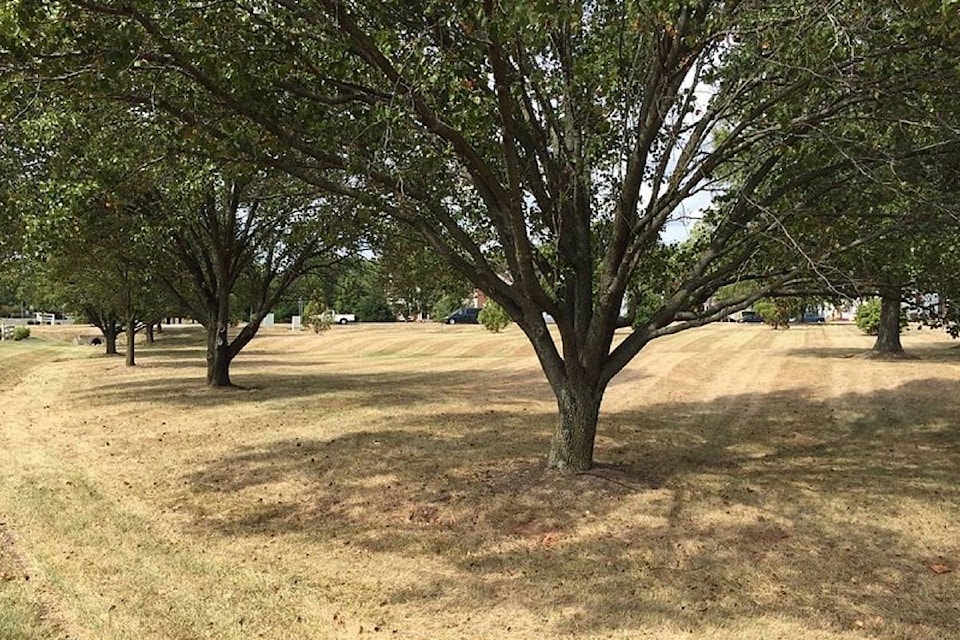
x=388 y=481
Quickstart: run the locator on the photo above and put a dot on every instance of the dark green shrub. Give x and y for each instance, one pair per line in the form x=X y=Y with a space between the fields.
x=374 y=308
x=867 y=317
x=493 y=317
x=21 y=332
x=775 y=313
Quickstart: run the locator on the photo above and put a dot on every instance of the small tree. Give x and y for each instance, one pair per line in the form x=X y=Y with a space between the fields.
x=316 y=316
x=233 y=232
x=775 y=313
x=493 y=317
x=869 y=318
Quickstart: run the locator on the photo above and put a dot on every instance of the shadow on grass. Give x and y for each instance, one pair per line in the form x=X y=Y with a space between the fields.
x=191 y=355
x=922 y=352
x=825 y=513
x=185 y=346
x=196 y=359
x=351 y=390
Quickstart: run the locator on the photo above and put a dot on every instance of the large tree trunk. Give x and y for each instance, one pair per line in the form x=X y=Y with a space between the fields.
x=219 y=355
x=221 y=351
x=131 y=342
x=571 y=448
x=111 y=338
x=108 y=325
x=578 y=379
x=888 y=336
x=148 y=330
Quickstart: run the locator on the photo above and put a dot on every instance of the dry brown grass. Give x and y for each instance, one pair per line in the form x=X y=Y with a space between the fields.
x=388 y=481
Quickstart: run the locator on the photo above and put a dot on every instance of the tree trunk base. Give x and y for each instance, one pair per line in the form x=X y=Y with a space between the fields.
x=888 y=335
x=887 y=355
x=226 y=387
x=567 y=468
x=571 y=449
x=220 y=382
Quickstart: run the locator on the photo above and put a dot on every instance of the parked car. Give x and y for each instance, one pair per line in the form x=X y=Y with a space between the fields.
x=812 y=318
x=750 y=316
x=342 y=318
x=467 y=315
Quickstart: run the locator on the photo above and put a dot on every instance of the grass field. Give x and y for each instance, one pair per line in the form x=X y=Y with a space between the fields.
x=387 y=481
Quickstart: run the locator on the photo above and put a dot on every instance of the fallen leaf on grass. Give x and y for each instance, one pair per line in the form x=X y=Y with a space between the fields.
x=874 y=623
x=939 y=568
x=550 y=539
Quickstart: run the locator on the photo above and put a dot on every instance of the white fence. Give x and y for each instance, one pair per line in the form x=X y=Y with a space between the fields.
x=6 y=331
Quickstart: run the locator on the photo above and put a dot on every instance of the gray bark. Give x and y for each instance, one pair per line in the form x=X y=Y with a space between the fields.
x=888 y=336
x=131 y=359
x=571 y=448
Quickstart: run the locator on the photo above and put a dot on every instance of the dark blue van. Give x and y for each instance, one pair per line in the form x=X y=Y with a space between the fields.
x=468 y=315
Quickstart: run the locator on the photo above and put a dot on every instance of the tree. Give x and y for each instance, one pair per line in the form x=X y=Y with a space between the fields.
x=79 y=243
x=157 y=207
x=776 y=313
x=539 y=148
x=316 y=315
x=905 y=203
x=99 y=269
x=19 y=156
x=358 y=290
x=98 y=258
x=413 y=276
x=493 y=317
x=227 y=231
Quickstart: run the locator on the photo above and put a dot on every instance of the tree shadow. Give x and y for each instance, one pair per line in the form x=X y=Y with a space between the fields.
x=923 y=352
x=197 y=360
x=185 y=347
x=188 y=355
x=381 y=389
x=825 y=513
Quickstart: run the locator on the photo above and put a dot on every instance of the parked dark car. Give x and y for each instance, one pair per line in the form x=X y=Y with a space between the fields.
x=813 y=318
x=750 y=316
x=468 y=315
